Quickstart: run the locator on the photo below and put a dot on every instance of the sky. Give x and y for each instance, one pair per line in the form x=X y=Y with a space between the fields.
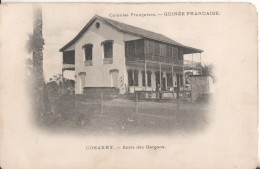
x=61 y=26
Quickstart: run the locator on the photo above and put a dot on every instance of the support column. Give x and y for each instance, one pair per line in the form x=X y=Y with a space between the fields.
x=192 y=63
x=200 y=65
x=82 y=76
x=145 y=75
x=133 y=78
x=172 y=80
x=160 y=76
x=62 y=82
x=166 y=80
x=183 y=76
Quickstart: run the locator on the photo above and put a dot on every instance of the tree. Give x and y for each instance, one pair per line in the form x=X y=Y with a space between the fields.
x=64 y=84
x=35 y=46
x=208 y=70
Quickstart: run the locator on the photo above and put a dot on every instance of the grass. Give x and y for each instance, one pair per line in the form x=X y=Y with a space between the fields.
x=120 y=116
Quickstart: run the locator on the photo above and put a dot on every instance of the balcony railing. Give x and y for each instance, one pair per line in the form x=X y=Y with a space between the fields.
x=108 y=60
x=155 y=58
x=188 y=63
x=164 y=59
x=68 y=66
x=88 y=63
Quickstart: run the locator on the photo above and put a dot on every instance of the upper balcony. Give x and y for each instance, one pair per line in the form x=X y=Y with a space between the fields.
x=155 y=59
x=163 y=59
x=68 y=62
x=156 y=52
x=188 y=64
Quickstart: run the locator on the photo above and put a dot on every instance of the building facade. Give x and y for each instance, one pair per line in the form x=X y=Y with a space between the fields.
x=107 y=53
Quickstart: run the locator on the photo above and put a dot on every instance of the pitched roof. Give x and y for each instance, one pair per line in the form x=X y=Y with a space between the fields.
x=122 y=27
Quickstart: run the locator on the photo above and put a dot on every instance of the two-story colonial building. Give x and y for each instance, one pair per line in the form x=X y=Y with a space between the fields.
x=107 y=53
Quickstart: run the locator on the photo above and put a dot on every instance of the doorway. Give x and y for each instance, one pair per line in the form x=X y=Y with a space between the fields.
x=114 y=78
x=163 y=83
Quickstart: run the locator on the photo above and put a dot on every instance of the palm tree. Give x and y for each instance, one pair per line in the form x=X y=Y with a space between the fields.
x=35 y=46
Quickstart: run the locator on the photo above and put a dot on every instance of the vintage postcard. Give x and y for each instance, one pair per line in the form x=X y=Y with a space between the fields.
x=128 y=86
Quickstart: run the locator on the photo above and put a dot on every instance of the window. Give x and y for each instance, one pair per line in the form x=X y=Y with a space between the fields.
x=180 y=54
x=134 y=49
x=69 y=57
x=133 y=77
x=136 y=77
x=179 y=79
x=108 y=49
x=150 y=47
x=97 y=25
x=130 y=48
x=174 y=52
x=139 y=49
x=148 y=78
x=130 y=78
x=88 y=51
x=162 y=50
x=169 y=51
x=156 y=48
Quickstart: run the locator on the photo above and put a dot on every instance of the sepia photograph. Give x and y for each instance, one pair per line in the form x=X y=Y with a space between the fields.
x=118 y=78
x=128 y=85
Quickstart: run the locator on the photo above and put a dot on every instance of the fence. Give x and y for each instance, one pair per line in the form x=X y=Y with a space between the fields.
x=141 y=110
x=163 y=95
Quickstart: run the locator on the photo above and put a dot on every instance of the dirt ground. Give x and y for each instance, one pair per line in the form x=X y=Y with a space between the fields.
x=122 y=116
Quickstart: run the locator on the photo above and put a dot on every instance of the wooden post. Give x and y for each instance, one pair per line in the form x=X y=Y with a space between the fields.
x=192 y=63
x=172 y=83
x=160 y=76
x=102 y=102
x=136 y=102
x=133 y=78
x=74 y=102
x=74 y=94
x=62 y=82
x=137 y=117
x=183 y=81
x=178 y=104
x=145 y=76
x=200 y=65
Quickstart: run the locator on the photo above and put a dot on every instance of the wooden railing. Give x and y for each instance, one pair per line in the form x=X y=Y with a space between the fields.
x=164 y=59
x=68 y=66
x=189 y=63
x=154 y=58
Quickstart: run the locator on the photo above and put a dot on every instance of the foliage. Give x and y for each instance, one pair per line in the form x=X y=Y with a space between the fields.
x=208 y=70
x=187 y=77
x=34 y=42
x=37 y=86
x=61 y=81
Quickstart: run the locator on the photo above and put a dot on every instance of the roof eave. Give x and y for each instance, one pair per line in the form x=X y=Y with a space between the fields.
x=79 y=34
x=189 y=50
